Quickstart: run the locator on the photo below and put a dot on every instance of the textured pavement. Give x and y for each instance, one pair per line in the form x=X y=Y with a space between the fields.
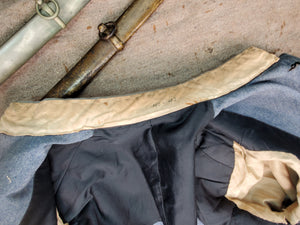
x=181 y=40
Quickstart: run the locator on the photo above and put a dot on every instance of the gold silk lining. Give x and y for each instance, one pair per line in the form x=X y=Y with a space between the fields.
x=262 y=181
x=59 y=220
x=63 y=116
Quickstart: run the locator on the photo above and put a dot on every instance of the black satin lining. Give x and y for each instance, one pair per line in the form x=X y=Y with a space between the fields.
x=138 y=174
x=42 y=209
x=214 y=162
x=253 y=134
x=171 y=169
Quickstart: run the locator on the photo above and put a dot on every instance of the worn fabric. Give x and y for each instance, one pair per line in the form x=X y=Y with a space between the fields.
x=161 y=167
x=266 y=184
x=265 y=181
x=43 y=192
x=20 y=157
x=166 y=169
x=71 y=115
x=149 y=164
x=259 y=136
x=178 y=42
x=273 y=97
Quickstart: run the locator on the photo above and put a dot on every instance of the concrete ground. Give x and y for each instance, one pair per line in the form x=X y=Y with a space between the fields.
x=181 y=40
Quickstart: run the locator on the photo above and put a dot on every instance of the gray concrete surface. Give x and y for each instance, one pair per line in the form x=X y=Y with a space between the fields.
x=181 y=40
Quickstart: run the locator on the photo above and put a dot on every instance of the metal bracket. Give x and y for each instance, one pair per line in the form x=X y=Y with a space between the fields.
x=52 y=15
x=107 y=32
x=293 y=66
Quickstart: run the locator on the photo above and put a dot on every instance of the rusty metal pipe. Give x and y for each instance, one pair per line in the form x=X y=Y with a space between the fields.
x=112 y=38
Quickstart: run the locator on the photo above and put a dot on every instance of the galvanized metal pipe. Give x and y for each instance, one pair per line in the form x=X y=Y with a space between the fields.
x=30 y=38
x=88 y=67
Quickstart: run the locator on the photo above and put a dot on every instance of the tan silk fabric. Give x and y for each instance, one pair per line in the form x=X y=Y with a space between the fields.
x=261 y=179
x=61 y=116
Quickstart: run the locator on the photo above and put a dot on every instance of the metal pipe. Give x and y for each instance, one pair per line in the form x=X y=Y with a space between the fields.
x=113 y=36
x=37 y=32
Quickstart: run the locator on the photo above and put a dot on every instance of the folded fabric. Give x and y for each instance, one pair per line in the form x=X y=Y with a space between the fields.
x=180 y=155
x=273 y=97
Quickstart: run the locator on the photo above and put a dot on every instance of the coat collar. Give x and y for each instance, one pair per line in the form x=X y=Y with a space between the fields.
x=63 y=116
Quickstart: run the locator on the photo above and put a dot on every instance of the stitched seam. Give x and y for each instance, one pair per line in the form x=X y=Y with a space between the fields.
x=203 y=151
x=159 y=177
x=67 y=168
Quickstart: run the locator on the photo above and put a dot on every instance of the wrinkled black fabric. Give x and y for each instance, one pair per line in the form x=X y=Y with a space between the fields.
x=214 y=162
x=240 y=217
x=42 y=209
x=172 y=169
x=253 y=134
x=219 y=135
x=137 y=174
